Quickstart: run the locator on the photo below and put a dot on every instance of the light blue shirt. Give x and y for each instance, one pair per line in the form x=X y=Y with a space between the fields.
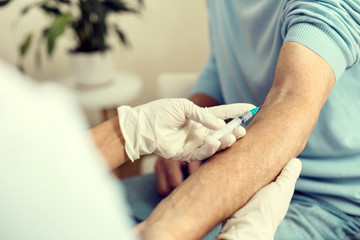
x=246 y=37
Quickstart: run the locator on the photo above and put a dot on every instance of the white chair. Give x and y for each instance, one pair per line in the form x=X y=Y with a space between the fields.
x=169 y=85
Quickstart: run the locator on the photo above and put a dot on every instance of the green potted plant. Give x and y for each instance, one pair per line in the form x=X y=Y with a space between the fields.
x=89 y=22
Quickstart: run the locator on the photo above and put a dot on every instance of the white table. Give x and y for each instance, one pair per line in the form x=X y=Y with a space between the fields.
x=123 y=88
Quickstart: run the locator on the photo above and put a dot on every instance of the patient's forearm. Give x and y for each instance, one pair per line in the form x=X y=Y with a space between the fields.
x=229 y=179
x=110 y=142
x=277 y=134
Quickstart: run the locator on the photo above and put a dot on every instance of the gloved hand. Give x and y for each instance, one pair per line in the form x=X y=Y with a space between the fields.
x=175 y=128
x=260 y=217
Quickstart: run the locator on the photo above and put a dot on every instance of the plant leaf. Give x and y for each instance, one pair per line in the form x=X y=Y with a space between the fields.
x=45 y=32
x=50 y=9
x=57 y=28
x=4 y=2
x=25 y=10
x=141 y=3
x=64 y=1
x=122 y=37
x=24 y=47
x=38 y=58
x=118 y=6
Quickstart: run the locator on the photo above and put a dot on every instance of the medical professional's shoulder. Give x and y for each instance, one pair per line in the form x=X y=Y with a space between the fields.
x=53 y=181
x=45 y=100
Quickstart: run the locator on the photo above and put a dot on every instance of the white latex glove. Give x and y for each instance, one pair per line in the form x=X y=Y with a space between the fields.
x=260 y=217
x=175 y=128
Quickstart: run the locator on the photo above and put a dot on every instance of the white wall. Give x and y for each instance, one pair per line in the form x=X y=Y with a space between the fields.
x=171 y=35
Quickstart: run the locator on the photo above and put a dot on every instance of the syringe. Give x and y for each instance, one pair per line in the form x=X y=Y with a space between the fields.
x=236 y=122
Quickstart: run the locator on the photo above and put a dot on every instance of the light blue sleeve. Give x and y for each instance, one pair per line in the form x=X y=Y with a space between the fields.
x=331 y=28
x=208 y=80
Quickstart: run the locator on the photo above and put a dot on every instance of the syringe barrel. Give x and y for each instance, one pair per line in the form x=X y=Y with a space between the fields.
x=246 y=116
x=228 y=128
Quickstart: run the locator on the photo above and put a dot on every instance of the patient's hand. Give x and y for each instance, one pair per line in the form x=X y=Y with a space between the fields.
x=169 y=174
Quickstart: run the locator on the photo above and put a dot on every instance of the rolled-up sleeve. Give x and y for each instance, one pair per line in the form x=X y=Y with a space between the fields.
x=331 y=28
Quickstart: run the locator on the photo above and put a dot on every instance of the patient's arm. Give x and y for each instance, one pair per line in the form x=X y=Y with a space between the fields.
x=110 y=142
x=302 y=83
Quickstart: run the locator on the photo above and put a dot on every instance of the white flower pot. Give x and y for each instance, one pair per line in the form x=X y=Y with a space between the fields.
x=91 y=70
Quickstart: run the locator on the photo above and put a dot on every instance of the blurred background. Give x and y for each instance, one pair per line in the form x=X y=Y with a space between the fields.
x=167 y=36
x=168 y=39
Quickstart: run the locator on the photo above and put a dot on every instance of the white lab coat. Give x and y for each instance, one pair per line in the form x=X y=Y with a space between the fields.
x=53 y=182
